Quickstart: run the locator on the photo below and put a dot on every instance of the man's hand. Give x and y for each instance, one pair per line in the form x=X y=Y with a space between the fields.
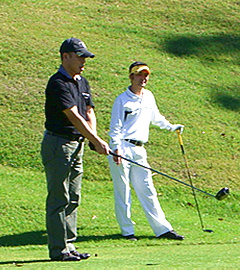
x=102 y=147
x=177 y=127
x=116 y=159
x=86 y=129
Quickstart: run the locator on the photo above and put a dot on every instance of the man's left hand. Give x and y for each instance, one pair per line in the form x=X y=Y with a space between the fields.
x=177 y=127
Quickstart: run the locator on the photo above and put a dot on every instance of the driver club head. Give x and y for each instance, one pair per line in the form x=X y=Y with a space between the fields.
x=222 y=194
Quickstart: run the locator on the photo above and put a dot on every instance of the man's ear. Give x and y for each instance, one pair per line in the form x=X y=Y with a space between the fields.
x=65 y=56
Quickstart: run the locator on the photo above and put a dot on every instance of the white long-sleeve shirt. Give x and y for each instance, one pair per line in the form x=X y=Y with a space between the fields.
x=131 y=117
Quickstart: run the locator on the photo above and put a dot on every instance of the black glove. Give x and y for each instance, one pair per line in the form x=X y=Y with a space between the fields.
x=91 y=146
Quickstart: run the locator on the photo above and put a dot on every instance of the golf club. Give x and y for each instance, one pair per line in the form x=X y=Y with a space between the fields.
x=223 y=193
x=190 y=179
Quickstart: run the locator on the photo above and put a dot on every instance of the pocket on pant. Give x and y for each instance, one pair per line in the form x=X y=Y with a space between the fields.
x=49 y=148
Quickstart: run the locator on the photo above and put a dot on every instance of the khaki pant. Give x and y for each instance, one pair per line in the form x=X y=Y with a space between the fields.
x=62 y=160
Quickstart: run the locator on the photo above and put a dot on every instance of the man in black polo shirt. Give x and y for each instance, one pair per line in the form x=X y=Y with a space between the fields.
x=69 y=119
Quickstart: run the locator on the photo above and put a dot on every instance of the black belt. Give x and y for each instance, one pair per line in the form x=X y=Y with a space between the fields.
x=71 y=137
x=137 y=143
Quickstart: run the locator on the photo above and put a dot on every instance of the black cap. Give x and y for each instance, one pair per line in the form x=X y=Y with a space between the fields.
x=77 y=46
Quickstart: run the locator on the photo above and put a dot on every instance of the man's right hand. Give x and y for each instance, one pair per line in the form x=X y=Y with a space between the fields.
x=102 y=147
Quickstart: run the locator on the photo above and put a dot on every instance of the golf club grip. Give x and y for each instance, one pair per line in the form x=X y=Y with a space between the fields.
x=180 y=141
x=179 y=137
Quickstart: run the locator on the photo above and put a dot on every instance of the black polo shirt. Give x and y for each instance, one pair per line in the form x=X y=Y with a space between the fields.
x=63 y=93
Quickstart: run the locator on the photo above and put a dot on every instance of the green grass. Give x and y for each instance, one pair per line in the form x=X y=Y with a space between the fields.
x=24 y=241
x=192 y=49
x=131 y=257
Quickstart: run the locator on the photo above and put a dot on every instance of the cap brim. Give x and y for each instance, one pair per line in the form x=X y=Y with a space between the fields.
x=138 y=69
x=85 y=53
x=143 y=69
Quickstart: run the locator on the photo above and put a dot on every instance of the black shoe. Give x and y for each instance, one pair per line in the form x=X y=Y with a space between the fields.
x=83 y=256
x=171 y=235
x=67 y=257
x=131 y=237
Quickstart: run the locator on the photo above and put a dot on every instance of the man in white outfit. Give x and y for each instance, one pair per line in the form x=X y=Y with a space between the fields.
x=132 y=113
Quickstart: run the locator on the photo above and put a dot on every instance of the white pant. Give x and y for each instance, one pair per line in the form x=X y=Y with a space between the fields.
x=141 y=180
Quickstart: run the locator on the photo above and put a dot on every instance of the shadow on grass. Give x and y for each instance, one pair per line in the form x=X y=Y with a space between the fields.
x=213 y=48
x=205 y=47
x=228 y=98
x=40 y=238
x=27 y=238
x=20 y=263
x=227 y=101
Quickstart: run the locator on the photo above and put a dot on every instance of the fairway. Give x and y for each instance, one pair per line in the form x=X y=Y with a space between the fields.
x=193 y=52
x=99 y=234
x=136 y=256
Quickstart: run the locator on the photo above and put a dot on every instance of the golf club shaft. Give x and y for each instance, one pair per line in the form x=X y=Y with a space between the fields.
x=190 y=178
x=163 y=174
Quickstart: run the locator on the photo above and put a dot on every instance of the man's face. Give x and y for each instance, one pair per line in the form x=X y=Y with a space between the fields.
x=140 y=79
x=74 y=63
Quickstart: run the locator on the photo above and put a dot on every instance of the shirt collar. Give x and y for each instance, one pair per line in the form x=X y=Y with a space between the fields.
x=132 y=95
x=64 y=72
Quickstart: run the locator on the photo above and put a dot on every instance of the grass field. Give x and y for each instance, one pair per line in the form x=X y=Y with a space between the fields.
x=193 y=50
x=23 y=236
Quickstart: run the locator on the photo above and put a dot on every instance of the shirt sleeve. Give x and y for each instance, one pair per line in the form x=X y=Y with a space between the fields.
x=158 y=119
x=62 y=96
x=116 y=125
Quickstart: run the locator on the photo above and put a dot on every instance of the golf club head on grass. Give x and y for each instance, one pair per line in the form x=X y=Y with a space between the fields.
x=222 y=194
